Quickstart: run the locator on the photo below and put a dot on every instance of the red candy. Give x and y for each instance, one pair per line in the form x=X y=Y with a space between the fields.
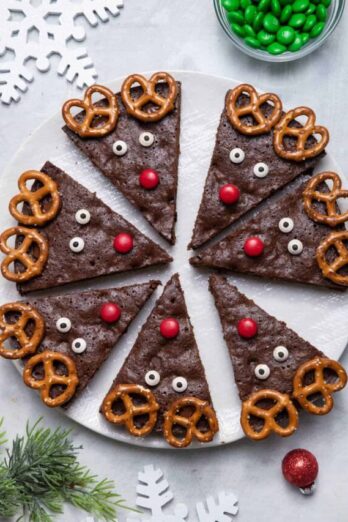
x=300 y=468
x=247 y=328
x=253 y=246
x=149 y=179
x=169 y=328
x=110 y=312
x=229 y=194
x=123 y=243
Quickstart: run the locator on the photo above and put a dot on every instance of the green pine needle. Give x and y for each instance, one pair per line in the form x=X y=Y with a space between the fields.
x=3 y=439
x=41 y=472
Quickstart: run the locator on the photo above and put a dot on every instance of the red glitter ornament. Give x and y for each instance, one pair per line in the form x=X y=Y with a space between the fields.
x=300 y=468
x=169 y=328
x=254 y=246
x=110 y=312
x=123 y=243
x=247 y=327
x=149 y=179
x=229 y=194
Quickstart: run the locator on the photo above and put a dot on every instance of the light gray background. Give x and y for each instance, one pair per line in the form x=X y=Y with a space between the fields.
x=182 y=34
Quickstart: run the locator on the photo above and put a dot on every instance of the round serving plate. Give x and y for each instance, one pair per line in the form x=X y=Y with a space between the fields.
x=319 y=315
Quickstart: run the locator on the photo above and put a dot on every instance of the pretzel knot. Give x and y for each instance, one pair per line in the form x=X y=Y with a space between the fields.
x=303 y=392
x=333 y=217
x=302 y=134
x=201 y=410
x=137 y=106
x=282 y=402
x=32 y=241
x=84 y=127
x=24 y=315
x=254 y=108
x=51 y=378
x=127 y=394
x=330 y=269
x=38 y=216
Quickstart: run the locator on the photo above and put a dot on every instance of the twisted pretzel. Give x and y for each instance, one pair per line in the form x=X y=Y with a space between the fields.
x=33 y=267
x=333 y=217
x=84 y=128
x=331 y=270
x=34 y=199
x=302 y=392
x=135 y=107
x=124 y=392
x=301 y=134
x=282 y=402
x=51 y=377
x=16 y=330
x=264 y=124
x=201 y=409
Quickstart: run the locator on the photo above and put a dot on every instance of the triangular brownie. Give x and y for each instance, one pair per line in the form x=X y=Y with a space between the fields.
x=286 y=237
x=267 y=355
x=241 y=160
x=164 y=371
x=98 y=256
x=157 y=203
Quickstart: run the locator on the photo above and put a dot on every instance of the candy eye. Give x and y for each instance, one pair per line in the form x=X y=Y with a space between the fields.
x=286 y=225
x=82 y=216
x=119 y=148
x=295 y=247
x=280 y=353
x=237 y=155
x=261 y=170
x=79 y=345
x=179 y=384
x=146 y=139
x=77 y=244
x=152 y=378
x=63 y=325
x=262 y=371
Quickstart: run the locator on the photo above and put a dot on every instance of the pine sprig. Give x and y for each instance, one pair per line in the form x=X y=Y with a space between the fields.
x=41 y=472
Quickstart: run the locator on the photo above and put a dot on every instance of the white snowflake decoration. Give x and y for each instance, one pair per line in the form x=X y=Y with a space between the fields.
x=37 y=30
x=221 y=511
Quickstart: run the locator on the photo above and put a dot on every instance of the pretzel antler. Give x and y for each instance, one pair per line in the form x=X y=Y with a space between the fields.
x=331 y=269
x=311 y=193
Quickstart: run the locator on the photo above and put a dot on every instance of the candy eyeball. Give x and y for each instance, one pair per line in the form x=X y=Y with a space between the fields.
x=63 y=325
x=237 y=155
x=262 y=371
x=261 y=170
x=286 y=225
x=295 y=247
x=79 y=345
x=76 y=244
x=83 y=216
x=179 y=384
x=119 y=148
x=146 y=139
x=152 y=378
x=280 y=353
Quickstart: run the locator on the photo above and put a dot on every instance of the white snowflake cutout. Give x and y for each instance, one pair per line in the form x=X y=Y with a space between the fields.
x=218 y=511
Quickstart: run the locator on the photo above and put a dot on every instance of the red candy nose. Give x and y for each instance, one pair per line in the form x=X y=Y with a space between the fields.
x=123 y=243
x=149 y=179
x=110 y=312
x=254 y=246
x=169 y=328
x=247 y=328
x=229 y=194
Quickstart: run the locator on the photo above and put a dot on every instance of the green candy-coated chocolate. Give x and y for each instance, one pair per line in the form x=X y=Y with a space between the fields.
x=264 y=5
x=286 y=35
x=296 y=44
x=309 y=23
x=252 y=42
x=276 y=8
x=276 y=48
x=297 y=20
x=249 y=31
x=317 y=29
x=250 y=13
x=311 y=9
x=270 y=23
x=236 y=17
x=305 y=38
x=238 y=30
x=265 y=38
x=230 y=5
x=326 y=3
x=286 y=14
x=300 y=6
x=321 y=13
x=258 y=22
x=245 y=3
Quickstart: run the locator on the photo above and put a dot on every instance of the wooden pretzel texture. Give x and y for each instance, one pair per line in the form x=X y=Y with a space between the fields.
x=331 y=269
x=332 y=217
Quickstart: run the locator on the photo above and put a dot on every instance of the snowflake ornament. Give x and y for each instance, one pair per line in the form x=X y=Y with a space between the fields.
x=221 y=510
x=37 y=30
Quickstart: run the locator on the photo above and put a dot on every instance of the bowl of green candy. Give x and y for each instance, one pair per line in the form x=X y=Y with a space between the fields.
x=278 y=30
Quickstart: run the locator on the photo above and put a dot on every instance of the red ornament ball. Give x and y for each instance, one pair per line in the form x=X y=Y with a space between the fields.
x=300 y=468
x=254 y=246
x=149 y=179
x=169 y=328
x=229 y=194
x=247 y=327
x=123 y=243
x=110 y=312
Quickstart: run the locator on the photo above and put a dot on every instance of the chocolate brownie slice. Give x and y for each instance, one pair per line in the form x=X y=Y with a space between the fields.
x=98 y=256
x=158 y=205
x=245 y=172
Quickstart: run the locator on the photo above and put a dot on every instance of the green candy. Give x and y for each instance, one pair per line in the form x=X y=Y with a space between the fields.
x=309 y=23
x=250 y=14
x=249 y=31
x=321 y=13
x=305 y=38
x=300 y=6
x=311 y=9
x=297 y=20
x=296 y=44
x=264 y=5
x=245 y=3
x=276 y=8
x=286 y=14
x=238 y=30
x=230 y=5
x=258 y=22
x=326 y=3
x=236 y=17
x=252 y=42
x=265 y=38
x=286 y=35
x=317 y=29
x=271 y=23
x=276 y=48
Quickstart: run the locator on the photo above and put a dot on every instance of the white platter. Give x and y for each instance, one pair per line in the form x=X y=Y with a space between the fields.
x=319 y=315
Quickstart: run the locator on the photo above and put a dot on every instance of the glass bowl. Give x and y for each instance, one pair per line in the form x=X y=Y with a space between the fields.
x=334 y=15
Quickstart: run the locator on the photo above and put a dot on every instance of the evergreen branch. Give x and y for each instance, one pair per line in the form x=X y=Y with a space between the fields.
x=3 y=439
